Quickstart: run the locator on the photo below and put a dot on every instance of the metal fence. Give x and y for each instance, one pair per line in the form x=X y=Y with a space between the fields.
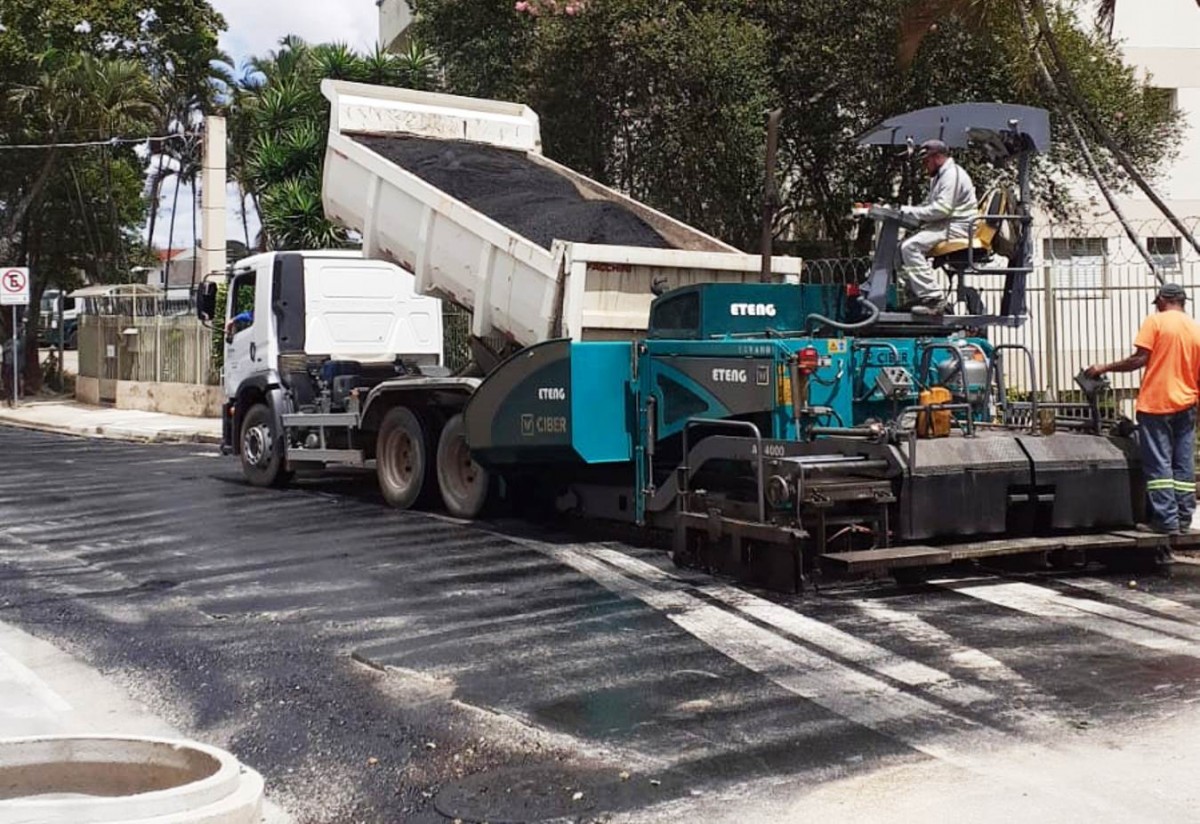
x=160 y=349
x=1086 y=298
x=1088 y=295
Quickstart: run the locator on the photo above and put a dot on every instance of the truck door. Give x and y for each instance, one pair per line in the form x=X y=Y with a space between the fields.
x=243 y=325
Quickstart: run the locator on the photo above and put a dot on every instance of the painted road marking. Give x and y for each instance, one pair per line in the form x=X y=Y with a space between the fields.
x=841 y=644
x=18 y=682
x=855 y=696
x=1122 y=592
x=868 y=700
x=1109 y=620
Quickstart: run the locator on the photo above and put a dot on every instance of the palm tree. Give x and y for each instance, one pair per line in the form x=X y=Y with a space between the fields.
x=282 y=123
x=183 y=103
x=183 y=162
x=240 y=119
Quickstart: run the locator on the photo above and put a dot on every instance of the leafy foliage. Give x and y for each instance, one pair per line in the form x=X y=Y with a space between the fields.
x=278 y=123
x=76 y=71
x=665 y=99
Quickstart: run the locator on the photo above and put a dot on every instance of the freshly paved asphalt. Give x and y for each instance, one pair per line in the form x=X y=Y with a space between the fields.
x=379 y=666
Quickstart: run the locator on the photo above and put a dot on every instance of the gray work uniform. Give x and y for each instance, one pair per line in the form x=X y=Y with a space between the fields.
x=946 y=213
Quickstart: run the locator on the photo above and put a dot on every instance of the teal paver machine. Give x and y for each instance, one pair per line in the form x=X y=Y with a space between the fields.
x=781 y=432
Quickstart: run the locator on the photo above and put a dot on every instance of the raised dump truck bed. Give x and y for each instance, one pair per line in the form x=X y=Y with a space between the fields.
x=457 y=191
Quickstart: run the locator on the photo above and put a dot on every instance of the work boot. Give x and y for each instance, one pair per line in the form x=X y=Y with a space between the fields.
x=1157 y=529
x=929 y=307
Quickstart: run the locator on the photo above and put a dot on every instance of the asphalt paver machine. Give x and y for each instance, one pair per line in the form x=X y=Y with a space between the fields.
x=785 y=431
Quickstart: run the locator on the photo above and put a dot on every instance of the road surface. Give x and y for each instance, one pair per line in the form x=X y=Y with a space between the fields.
x=379 y=666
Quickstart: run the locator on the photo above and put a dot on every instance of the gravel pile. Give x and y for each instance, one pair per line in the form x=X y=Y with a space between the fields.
x=513 y=190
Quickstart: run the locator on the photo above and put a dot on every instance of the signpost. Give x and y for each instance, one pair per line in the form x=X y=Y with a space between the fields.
x=14 y=292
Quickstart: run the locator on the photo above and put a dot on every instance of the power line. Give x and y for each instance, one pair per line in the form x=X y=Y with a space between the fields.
x=112 y=141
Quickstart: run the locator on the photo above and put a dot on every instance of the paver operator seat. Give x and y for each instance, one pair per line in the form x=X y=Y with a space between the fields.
x=1003 y=133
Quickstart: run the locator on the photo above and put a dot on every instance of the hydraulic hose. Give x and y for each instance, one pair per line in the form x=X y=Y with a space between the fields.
x=873 y=315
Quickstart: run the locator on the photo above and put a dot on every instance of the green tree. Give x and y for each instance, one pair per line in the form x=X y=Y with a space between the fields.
x=108 y=98
x=72 y=72
x=1078 y=90
x=634 y=93
x=663 y=99
x=280 y=120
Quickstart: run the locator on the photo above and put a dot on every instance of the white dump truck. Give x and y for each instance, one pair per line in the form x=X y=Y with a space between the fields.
x=340 y=361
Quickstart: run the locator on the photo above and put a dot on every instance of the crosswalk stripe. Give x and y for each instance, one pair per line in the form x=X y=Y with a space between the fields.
x=1109 y=620
x=1137 y=597
x=817 y=633
x=855 y=696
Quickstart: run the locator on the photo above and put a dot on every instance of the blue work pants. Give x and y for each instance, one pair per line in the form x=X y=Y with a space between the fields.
x=1169 y=464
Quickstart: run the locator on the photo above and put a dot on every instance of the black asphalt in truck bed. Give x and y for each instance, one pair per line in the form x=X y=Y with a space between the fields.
x=527 y=197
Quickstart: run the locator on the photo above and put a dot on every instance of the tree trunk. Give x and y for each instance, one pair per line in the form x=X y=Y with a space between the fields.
x=195 y=235
x=1077 y=101
x=17 y=216
x=31 y=369
x=242 y=210
x=262 y=244
x=155 y=194
x=171 y=239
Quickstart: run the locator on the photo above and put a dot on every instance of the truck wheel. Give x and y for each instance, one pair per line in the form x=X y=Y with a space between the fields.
x=464 y=484
x=401 y=458
x=261 y=449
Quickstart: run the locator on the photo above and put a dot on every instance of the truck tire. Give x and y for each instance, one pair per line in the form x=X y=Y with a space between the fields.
x=464 y=484
x=259 y=448
x=401 y=458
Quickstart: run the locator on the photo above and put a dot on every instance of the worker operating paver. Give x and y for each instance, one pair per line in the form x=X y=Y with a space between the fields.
x=946 y=213
x=1168 y=346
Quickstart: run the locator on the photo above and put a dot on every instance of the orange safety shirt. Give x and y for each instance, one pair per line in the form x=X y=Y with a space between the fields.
x=1172 y=379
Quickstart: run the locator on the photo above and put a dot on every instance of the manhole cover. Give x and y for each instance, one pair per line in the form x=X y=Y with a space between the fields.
x=520 y=795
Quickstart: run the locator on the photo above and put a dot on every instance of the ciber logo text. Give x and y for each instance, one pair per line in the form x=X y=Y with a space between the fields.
x=754 y=309
x=730 y=375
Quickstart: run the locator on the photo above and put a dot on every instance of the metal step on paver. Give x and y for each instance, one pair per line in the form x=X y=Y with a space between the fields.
x=901 y=557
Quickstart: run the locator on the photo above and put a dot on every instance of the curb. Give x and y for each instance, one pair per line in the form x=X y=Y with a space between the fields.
x=116 y=433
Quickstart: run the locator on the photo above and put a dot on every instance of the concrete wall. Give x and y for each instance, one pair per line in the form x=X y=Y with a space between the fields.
x=187 y=399
x=87 y=390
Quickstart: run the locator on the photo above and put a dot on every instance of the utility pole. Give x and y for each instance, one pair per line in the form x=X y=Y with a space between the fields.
x=212 y=199
x=770 y=192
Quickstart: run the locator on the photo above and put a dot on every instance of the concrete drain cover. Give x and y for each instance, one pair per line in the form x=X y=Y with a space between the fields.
x=521 y=794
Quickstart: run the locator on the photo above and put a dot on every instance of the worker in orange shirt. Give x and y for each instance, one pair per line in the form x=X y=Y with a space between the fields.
x=1168 y=346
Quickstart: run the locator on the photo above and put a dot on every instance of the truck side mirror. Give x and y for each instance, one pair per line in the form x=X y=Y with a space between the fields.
x=206 y=300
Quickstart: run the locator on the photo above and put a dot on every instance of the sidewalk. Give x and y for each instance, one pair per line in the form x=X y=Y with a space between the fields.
x=44 y=691
x=71 y=418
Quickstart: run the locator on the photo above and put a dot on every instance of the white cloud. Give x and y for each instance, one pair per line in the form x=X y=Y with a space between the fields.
x=255 y=27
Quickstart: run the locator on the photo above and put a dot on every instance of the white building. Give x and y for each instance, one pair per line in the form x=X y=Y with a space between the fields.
x=1162 y=38
x=1092 y=288
x=395 y=16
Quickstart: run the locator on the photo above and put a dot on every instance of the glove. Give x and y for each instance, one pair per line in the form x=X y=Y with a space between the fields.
x=906 y=210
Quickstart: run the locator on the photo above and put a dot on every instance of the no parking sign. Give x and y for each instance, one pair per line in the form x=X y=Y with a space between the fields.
x=14 y=286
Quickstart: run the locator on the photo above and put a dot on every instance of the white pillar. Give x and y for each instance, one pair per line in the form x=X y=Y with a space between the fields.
x=212 y=198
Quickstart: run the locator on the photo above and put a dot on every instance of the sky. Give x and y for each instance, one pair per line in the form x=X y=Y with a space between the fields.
x=255 y=27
